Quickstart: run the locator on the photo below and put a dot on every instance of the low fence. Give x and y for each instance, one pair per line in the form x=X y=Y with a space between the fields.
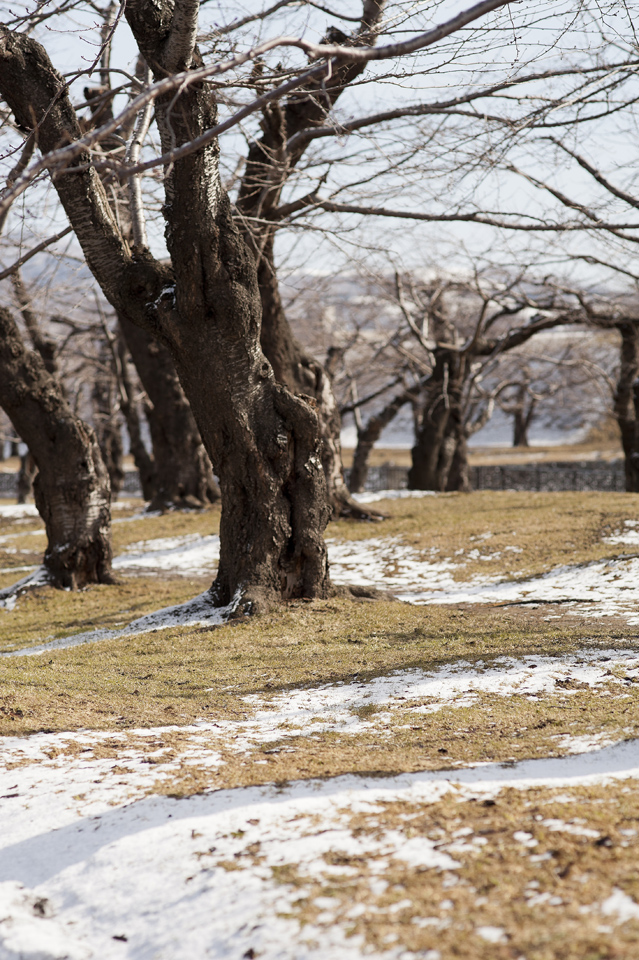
x=563 y=475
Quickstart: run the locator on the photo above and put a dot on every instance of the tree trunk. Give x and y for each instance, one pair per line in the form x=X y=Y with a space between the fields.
x=359 y=470
x=183 y=472
x=26 y=476
x=268 y=165
x=439 y=444
x=626 y=404
x=368 y=436
x=522 y=418
x=459 y=473
x=425 y=471
x=263 y=441
x=303 y=374
x=107 y=423
x=72 y=485
x=520 y=428
x=144 y=462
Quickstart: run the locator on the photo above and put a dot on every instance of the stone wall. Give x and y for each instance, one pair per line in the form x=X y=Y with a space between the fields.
x=563 y=475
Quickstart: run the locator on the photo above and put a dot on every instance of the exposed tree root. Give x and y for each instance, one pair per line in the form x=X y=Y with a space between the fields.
x=40 y=577
x=355 y=591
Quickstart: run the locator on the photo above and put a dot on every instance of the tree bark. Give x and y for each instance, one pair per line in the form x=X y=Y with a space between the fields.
x=425 y=472
x=522 y=418
x=458 y=479
x=269 y=164
x=144 y=462
x=626 y=402
x=183 y=473
x=26 y=476
x=296 y=369
x=107 y=423
x=72 y=485
x=520 y=428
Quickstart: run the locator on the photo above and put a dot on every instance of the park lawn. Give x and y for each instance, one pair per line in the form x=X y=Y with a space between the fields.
x=185 y=674
x=189 y=672
x=533 y=875
x=537 y=871
x=507 y=534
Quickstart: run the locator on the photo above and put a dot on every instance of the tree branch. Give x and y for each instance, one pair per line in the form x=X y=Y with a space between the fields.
x=332 y=207
x=35 y=250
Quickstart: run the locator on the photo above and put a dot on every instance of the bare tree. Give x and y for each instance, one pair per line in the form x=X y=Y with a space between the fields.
x=262 y=432
x=72 y=486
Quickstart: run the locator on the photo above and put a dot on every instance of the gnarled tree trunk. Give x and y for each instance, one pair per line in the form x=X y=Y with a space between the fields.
x=269 y=164
x=72 y=485
x=294 y=367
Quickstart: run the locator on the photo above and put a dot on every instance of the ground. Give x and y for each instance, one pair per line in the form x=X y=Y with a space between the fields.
x=449 y=775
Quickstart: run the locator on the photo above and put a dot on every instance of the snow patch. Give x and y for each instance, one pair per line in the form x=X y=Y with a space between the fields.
x=492 y=934
x=370 y=497
x=334 y=706
x=188 y=555
x=197 y=612
x=15 y=511
x=79 y=880
x=621 y=906
x=629 y=536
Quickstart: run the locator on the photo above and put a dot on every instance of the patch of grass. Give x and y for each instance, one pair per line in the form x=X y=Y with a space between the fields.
x=179 y=674
x=494 y=729
x=176 y=523
x=544 y=896
x=477 y=529
x=45 y=614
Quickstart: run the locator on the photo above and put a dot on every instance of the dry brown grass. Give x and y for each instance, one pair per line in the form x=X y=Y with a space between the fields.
x=475 y=530
x=498 y=880
x=169 y=678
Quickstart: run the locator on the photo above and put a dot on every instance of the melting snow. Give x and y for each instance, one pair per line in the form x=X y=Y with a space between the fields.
x=15 y=511
x=492 y=934
x=601 y=588
x=630 y=535
x=621 y=906
x=84 y=872
x=188 y=555
x=392 y=495
x=333 y=706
